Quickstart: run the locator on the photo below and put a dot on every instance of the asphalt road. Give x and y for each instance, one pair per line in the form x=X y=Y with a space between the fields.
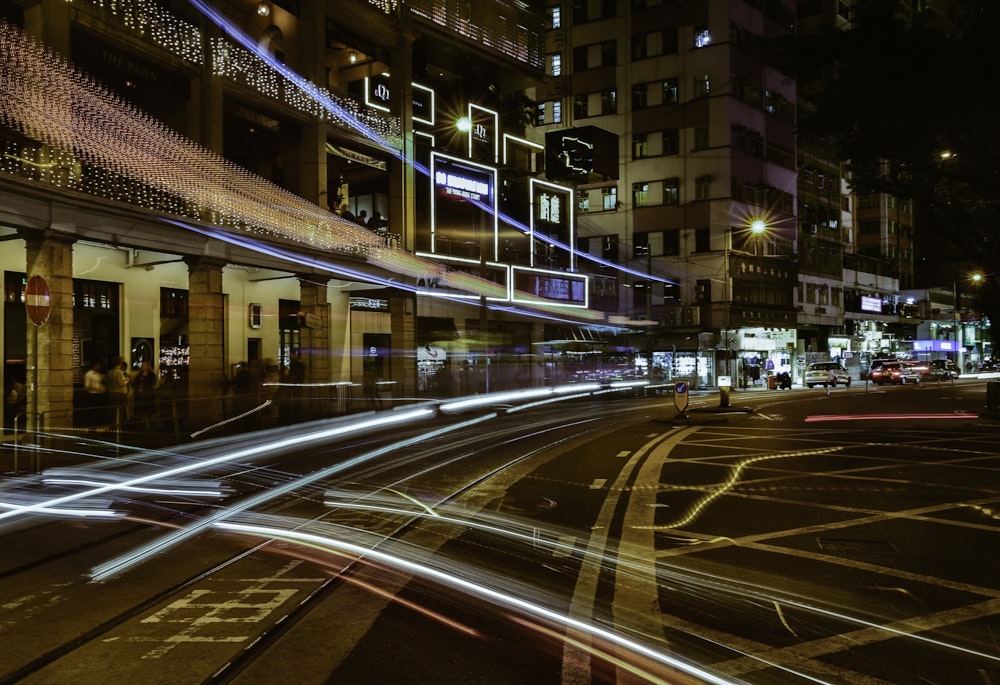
x=792 y=536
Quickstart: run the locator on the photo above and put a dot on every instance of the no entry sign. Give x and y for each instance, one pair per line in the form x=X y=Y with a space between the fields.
x=37 y=300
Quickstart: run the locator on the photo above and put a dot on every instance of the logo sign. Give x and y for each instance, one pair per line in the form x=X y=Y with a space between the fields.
x=681 y=396
x=37 y=300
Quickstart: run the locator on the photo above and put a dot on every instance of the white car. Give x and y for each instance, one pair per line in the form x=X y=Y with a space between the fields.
x=819 y=373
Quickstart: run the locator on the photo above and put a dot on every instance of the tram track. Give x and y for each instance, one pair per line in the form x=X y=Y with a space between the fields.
x=421 y=467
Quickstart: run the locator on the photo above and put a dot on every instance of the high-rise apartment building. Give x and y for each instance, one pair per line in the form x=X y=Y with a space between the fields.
x=700 y=206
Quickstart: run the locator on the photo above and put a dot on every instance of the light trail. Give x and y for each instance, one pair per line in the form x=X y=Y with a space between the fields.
x=297 y=440
x=475 y=589
x=129 y=559
x=887 y=417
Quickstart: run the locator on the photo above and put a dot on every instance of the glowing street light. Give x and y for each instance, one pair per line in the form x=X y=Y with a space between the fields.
x=757 y=227
x=464 y=124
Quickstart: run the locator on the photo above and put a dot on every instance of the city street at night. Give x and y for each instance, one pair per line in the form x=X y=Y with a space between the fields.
x=796 y=536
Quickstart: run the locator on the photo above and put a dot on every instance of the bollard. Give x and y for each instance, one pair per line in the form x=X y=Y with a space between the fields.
x=725 y=385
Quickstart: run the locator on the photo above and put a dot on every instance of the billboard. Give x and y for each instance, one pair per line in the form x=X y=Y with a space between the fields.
x=586 y=152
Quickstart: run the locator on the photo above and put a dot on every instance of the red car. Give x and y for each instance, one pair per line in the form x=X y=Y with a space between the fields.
x=896 y=373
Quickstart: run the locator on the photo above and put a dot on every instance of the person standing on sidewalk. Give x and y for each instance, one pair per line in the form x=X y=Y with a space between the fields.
x=118 y=384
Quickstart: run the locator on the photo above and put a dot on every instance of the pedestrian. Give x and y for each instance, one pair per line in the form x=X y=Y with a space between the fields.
x=117 y=381
x=96 y=393
x=362 y=218
x=369 y=386
x=346 y=213
x=144 y=384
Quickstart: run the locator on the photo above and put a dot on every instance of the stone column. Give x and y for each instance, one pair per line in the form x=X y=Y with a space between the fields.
x=206 y=338
x=50 y=356
x=403 y=318
x=48 y=21
x=312 y=181
x=402 y=208
x=315 y=330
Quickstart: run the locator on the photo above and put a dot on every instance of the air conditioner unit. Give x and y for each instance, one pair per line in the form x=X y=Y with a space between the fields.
x=692 y=316
x=672 y=317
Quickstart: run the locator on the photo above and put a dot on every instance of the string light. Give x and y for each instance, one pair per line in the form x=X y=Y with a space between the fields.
x=140 y=158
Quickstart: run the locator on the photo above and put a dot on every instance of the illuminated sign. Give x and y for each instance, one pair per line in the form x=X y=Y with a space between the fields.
x=463 y=185
x=554 y=287
x=370 y=304
x=550 y=208
x=871 y=304
x=377 y=96
x=583 y=152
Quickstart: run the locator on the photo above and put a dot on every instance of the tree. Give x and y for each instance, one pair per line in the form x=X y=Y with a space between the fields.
x=911 y=100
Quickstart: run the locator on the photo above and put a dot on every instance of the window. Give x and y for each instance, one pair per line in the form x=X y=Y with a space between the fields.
x=640 y=146
x=580 y=106
x=671 y=141
x=640 y=97
x=609 y=248
x=555 y=16
x=672 y=242
x=609 y=53
x=671 y=191
x=701 y=36
x=640 y=194
x=702 y=242
x=668 y=42
x=597 y=55
x=540 y=114
x=610 y=197
x=702 y=86
x=701 y=138
x=555 y=64
x=670 y=92
x=556 y=111
x=609 y=102
x=640 y=245
x=609 y=9
x=702 y=187
x=640 y=50
x=583 y=200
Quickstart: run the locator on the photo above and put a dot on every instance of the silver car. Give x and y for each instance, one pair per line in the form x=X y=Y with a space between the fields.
x=820 y=373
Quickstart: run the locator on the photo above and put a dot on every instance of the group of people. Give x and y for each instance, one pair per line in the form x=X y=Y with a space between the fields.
x=375 y=222
x=115 y=397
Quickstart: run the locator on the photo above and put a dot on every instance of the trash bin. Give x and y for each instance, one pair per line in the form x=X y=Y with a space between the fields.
x=772 y=383
x=993 y=396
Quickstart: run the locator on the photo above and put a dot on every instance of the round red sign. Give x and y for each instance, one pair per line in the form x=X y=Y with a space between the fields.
x=37 y=300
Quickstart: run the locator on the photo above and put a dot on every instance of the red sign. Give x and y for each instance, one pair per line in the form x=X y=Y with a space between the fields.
x=36 y=300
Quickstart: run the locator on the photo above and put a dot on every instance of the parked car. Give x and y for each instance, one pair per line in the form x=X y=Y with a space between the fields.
x=818 y=373
x=944 y=368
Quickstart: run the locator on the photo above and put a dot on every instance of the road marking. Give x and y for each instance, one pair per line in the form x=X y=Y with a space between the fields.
x=598 y=483
x=576 y=657
x=624 y=453
x=200 y=611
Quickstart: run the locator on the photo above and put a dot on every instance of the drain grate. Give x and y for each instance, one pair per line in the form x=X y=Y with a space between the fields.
x=854 y=545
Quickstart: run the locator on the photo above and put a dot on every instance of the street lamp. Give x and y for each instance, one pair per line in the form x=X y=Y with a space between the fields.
x=757 y=227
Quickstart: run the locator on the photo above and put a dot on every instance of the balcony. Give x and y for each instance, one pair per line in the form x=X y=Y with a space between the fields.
x=499 y=26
